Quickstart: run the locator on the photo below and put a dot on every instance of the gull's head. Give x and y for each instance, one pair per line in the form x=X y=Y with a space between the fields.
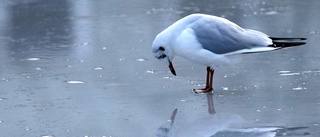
x=162 y=50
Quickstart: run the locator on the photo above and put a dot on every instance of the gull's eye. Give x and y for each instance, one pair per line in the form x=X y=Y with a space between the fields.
x=161 y=48
x=163 y=56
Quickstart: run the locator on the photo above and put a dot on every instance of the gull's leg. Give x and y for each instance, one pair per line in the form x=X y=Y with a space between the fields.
x=209 y=82
x=208 y=78
x=211 y=79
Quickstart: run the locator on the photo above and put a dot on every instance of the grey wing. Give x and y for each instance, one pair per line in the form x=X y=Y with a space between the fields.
x=221 y=36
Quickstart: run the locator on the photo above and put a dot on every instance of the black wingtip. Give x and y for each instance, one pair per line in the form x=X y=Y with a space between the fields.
x=289 y=39
x=287 y=42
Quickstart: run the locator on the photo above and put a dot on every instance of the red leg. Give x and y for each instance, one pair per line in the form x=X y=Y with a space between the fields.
x=209 y=82
x=211 y=79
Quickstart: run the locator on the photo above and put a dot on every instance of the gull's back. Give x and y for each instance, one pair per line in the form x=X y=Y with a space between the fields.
x=222 y=36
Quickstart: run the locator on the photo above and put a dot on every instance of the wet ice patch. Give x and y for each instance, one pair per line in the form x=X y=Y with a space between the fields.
x=271 y=13
x=290 y=73
x=284 y=71
x=75 y=82
x=32 y=59
x=166 y=78
x=121 y=59
x=141 y=59
x=309 y=71
x=4 y=79
x=47 y=136
x=314 y=32
x=98 y=68
x=299 y=88
x=84 y=44
x=150 y=71
x=287 y=73
x=225 y=88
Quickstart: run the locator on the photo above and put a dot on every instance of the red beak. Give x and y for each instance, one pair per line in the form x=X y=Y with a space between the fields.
x=171 y=68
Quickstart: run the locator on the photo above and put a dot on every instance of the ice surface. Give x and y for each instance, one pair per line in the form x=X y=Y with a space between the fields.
x=80 y=68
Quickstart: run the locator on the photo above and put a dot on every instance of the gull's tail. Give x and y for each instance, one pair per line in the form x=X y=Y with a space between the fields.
x=286 y=42
x=278 y=43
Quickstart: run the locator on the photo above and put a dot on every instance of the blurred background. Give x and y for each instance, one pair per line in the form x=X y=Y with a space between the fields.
x=85 y=68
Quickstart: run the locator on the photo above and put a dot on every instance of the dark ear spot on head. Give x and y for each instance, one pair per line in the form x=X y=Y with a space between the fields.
x=161 y=48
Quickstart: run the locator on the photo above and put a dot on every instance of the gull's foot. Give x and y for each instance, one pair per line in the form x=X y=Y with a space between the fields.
x=203 y=90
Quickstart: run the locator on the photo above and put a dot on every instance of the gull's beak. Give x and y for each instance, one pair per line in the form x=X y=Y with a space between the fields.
x=171 y=68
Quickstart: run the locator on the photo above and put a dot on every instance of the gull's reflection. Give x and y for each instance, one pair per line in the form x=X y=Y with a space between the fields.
x=166 y=130
x=211 y=109
x=222 y=125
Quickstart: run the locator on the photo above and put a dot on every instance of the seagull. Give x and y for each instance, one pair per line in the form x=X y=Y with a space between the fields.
x=210 y=41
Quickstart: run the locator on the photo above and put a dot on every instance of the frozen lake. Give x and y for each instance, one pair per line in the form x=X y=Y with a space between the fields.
x=85 y=68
